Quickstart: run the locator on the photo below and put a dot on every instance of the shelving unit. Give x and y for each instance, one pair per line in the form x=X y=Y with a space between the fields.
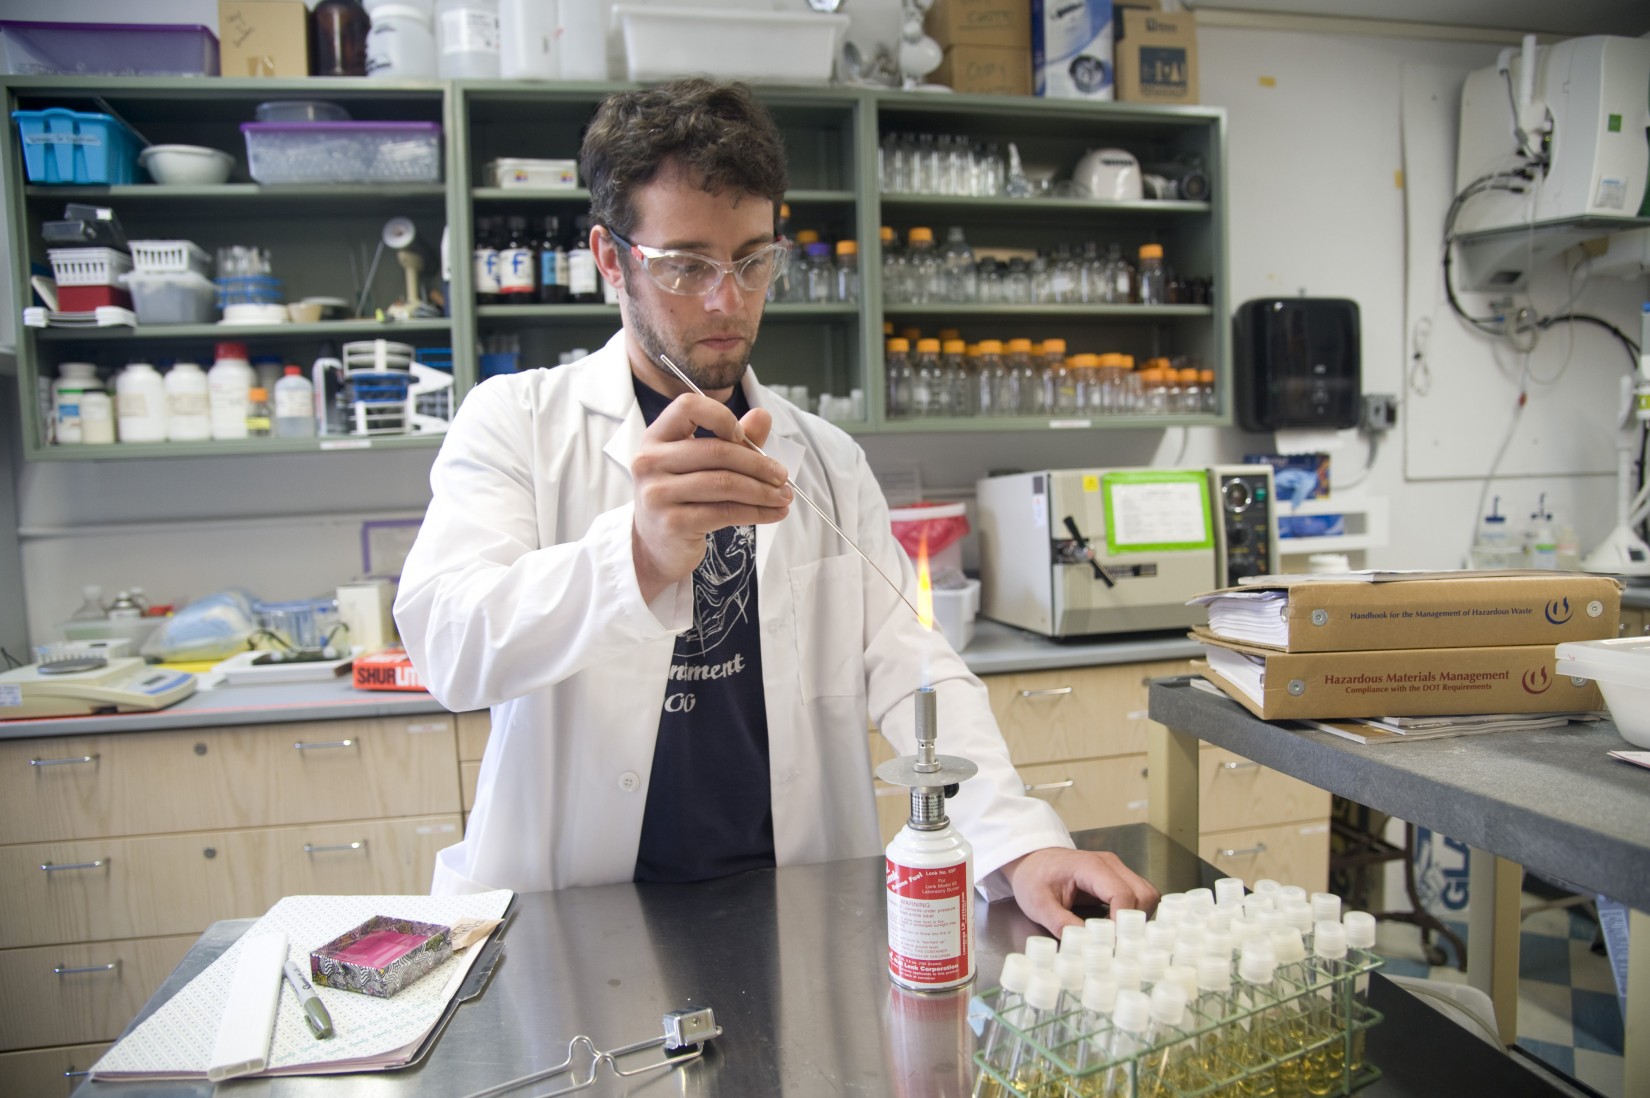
x=321 y=237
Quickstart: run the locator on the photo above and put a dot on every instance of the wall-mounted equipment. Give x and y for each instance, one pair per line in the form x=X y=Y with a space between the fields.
x=1299 y=363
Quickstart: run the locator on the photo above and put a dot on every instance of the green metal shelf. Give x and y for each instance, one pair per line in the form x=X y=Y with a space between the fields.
x=250 y=447
x=354 y=329
x=1038 y=206
x=374 y=193
x=1007 y=312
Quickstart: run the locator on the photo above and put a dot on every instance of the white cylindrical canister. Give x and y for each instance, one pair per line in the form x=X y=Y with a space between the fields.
x=140 y=404
x=188 y=418
x=468 y=34
x=930 y=909
x=294 y=405
x=97 y=418
x=530 y=39
x=401 y=43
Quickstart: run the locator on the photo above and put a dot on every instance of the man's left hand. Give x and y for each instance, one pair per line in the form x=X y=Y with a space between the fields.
x=1048 y=882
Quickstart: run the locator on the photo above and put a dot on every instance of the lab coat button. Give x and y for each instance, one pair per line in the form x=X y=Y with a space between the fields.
x=629 y=782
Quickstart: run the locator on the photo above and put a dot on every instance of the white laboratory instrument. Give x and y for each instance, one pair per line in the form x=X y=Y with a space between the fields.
x=67 y=688
x=385 y=391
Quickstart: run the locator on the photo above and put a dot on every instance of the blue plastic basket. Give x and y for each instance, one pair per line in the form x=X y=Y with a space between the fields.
x=64 y=146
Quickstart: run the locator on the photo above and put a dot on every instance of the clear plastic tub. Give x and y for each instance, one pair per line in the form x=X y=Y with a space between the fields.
x=174 y=297
x=343 y=152
x=1621 y=667
x=107 y=49
x=300 y=110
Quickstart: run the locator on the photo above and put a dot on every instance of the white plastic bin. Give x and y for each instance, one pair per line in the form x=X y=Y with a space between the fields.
x=1621 y=667
x=170 y=257
x=955 y=610
x=782 y=47
x=88 y=266
x=176 y=297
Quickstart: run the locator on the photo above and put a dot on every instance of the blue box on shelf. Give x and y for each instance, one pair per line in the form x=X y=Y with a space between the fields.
x=64 y=146
x=107 y=49
x=1299 y=477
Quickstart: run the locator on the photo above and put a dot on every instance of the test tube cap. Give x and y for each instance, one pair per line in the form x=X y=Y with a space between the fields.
x=1214 y=973
x=1126 y=971
x=1287 y=945
x=1154 y=965
x=1329 y=939
x=1016 y=973
x=1360 y=929
x=1325 y=905
x=1257 y=963
x=1068 y=969
x=1073 y=939
x=1133 y=1011
x=1043 y=992
x=1185 y=978
x=1291 y=892
x=1102 y=930
x=1131 y=922
x=1160 y=936
x=1100 y=993
x=1040 y=951
x=1168 y=1004
x=1228 y=890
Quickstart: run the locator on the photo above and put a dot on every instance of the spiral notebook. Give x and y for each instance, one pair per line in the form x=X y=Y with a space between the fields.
x=371 y=1034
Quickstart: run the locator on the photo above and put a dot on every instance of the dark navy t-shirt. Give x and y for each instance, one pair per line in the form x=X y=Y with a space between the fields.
x=709 y=810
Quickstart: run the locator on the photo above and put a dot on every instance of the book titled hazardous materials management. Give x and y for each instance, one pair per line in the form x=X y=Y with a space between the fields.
x=1368 y=611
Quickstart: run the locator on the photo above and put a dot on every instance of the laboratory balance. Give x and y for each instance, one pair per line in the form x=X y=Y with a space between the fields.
x=90 y=685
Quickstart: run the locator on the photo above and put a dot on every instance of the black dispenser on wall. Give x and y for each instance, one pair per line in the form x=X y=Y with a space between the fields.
x=1297 y=363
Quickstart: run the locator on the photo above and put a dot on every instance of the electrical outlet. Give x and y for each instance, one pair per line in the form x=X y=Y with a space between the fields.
x=1378 y=413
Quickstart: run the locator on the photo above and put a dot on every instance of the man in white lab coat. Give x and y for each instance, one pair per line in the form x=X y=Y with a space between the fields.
x=679 y=659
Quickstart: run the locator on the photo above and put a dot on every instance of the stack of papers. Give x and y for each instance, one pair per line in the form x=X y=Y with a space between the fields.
x=1397 y=729
x=105 y=316
x=370 y=1034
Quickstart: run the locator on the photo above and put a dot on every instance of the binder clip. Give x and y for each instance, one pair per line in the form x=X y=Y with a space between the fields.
x=686 y=1033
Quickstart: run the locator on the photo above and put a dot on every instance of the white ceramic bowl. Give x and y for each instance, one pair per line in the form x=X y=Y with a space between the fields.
x=186 y=165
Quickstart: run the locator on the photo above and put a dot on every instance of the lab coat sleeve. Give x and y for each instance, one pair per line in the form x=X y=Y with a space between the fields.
x=991 y=810
x=494 y=603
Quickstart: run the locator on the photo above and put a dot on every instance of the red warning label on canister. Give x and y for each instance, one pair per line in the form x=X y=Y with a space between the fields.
x=928 y=913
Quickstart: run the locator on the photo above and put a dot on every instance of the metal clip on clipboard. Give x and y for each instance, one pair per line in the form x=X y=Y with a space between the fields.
x=684 y=1029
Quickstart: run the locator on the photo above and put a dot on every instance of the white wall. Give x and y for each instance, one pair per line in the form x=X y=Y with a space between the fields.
x=1315 y=204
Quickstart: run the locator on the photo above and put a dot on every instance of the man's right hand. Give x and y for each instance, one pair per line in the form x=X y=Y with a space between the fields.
x=687 y=487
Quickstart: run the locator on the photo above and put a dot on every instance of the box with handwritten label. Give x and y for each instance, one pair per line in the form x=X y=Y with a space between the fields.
x=381 y=956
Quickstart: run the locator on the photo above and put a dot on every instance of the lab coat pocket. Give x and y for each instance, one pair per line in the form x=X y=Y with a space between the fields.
x=829 y=632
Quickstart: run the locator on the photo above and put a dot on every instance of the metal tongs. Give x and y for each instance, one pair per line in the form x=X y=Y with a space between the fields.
x=684 y=1029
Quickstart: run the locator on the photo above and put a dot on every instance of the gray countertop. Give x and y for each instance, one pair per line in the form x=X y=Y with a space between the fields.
x=794 y=963
x=995 y=649
x=1550 y=799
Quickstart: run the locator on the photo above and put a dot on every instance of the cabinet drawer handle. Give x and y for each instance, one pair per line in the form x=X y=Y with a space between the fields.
x=99 y=864
x=312 y=848
x=302 y=746
x=1067 y=784
x=112 y=966
x=73 y=1074
x=1245 y=765
x=1051 y=692
x=1258 y=848
x=77 y=760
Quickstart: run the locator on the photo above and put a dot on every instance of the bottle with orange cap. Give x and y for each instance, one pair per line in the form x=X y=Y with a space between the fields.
x=954 y=375
x=928 y=395
x=1059 y=386
x=893 y=267
x=897 y=373
x=925 y=270
x=991 y=380
x=846 y=288
x=1154 y=277
x=1211 y=400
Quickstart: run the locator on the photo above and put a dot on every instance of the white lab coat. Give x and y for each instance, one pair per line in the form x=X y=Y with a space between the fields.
x=520 y=594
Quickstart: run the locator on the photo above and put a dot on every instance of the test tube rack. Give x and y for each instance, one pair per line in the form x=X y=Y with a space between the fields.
x=1333 y=1054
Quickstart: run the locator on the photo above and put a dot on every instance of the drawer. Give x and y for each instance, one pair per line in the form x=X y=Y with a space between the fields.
x=469 y=774
x=473 y=730
x=47 y=1072
x=1234 y=792
x=145 y=783
x=1091 y=792
x=1075 y=713
x=1296 y=853
x=179 y=884
x=41 y=1004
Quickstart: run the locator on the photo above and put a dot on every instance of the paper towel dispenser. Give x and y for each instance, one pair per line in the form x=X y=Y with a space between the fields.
x=1298 y=363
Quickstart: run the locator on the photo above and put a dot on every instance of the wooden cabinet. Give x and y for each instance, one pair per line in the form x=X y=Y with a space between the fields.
x=120 y=849
x=48 y=1072
x=1635 y=621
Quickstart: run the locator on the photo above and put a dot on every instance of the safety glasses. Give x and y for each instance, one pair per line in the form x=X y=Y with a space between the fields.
x=694 y=275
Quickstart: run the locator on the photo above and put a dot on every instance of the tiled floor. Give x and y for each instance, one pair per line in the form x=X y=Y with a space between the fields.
x=1568 y=1014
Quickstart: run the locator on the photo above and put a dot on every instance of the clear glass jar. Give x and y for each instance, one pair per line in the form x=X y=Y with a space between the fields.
x=992 y=381
x=925 y=272
x=845 y=288
x=1059 y=385
x=929 y=396
x=961 y=282
x=895 y=270
x=1153 y=286
x=958 y=382
x=897 y=371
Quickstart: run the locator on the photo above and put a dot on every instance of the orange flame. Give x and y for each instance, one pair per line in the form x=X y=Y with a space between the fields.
x=925 y=586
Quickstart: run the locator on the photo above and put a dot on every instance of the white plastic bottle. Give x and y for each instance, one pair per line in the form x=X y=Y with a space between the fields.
x=401 y=43
x=468 y=35
x=1541 y=543
x=73 y=379
x=294 y=405
x=229 y=385
x=97 y=418
x=530 y=40
x=188 y=417
x=140 y=403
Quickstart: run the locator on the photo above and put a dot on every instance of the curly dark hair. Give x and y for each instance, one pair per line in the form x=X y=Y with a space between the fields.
x=717 y=134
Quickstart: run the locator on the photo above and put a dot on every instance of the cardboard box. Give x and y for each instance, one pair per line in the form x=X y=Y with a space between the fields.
x=391 y=669
x=263 y=37
x=1442 y=610
x=1000 y=23
x=1071 y=49
x=1156 y=57
x=985 y=70
x=1405 y=682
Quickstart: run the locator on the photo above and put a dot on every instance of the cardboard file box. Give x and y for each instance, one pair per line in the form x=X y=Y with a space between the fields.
x=1405 y=682
x=263 y=37
x=1156 y=57
x=985 y=70
x=1000 y=23
x=1439 y=610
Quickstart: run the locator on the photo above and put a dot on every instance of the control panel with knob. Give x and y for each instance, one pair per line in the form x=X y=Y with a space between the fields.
x=1246 y=536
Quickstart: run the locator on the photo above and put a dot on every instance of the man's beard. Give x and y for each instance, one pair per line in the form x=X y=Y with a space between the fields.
x=722 y=372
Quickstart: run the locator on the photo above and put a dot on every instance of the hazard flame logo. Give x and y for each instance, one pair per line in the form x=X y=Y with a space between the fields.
x=1558 y=611
x=1537 y=680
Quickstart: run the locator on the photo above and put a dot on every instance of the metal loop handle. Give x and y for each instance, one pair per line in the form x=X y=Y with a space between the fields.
x=74 y=760
x=99 y=864
x=1258 y=848
x=1245 y=765
x=313 y=848
x=112 y=966
x=1051 y=692
x=302 y=746
x=1067 y=784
